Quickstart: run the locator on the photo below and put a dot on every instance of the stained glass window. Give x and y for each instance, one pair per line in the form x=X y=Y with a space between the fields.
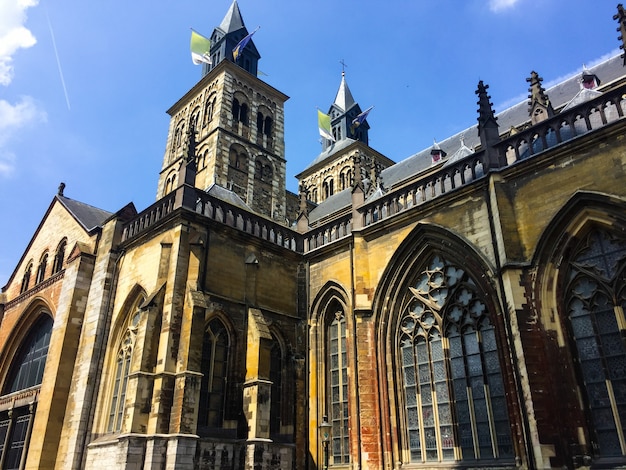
x=450 y=370
x=596 y=277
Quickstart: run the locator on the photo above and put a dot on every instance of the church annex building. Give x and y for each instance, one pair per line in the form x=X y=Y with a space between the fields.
x=462 y=308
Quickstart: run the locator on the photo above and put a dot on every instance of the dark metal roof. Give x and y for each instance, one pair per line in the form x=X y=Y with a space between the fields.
x=88 y=216
x=344 y=98
x=233 y=20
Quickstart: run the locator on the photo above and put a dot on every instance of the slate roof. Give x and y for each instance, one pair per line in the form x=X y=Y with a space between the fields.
x=560 y=95
x=344 y=98
x=233 y=20
x=88 y=216
x=227 y=196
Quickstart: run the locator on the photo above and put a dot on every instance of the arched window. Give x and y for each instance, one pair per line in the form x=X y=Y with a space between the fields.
x=595 y=301
x=453 y=392
x=276 y=377
x=209 y=108
x=215 y=348
x=337 y=381
x=240 y=112
x=59 y=257
x=122 y=368
x=28 y=366
x=26 y=278
x=41 y=270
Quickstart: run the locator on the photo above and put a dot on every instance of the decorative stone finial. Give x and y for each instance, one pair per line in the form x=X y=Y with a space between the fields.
x=487 y=126
x=539 y=106
x=621 y=19
x=61 y=189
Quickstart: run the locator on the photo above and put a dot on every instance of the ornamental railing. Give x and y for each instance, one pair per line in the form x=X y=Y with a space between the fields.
x=215 y=209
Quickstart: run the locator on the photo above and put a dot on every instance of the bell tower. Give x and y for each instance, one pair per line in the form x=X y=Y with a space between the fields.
x=239 y=126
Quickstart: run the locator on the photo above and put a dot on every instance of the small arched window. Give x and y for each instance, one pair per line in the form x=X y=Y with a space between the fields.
x=26 y=279
x=59 y=257
x=41 y=270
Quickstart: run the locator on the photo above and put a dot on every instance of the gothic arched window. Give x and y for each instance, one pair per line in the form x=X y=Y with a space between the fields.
x=337 y=383
x=26 y=278
x=595 y=301
x=59 y=257
x=41 y=270
x=453 y=392
x=215 y=348
x=28 y=366
x=122 y=368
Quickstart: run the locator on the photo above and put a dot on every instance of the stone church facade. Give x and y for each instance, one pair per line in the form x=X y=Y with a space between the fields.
x=462 y=308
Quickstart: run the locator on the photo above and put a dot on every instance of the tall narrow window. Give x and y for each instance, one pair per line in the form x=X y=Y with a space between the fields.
x=41 y=270
x=118 y=398
x=276 y=377
x=26 y=278
x=453 y=388
x=122 y=368
x=59 y=257
x=338 y=385
x=595 y=302
x=214 y=367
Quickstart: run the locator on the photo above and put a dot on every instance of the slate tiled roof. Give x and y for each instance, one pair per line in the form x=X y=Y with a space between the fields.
x=88 y=216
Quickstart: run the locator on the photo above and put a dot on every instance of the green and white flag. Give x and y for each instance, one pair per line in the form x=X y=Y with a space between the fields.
x=200 y=49
x=323 y=122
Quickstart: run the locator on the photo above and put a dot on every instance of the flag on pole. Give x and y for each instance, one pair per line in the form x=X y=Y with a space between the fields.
x=323 y=122
x=242 y=44
x=200 y=49
x=357 y=121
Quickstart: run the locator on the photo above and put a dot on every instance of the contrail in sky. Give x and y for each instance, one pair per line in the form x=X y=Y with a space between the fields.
x=54 y=45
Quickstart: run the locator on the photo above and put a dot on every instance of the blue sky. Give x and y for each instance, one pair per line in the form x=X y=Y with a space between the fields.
x=84 y=86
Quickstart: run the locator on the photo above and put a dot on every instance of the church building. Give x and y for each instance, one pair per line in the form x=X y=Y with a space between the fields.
x=461 y=308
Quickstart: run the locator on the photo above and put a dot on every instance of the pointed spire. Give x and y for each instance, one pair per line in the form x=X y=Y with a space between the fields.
x=233 y=20
x=539 y=106
x=487 y=126
x=621 y=19
x=344 y=99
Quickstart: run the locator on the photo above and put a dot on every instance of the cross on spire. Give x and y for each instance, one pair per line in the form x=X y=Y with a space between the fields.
x=343 y=67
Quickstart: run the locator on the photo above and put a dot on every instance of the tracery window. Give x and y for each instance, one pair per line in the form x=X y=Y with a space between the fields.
x=337 y=379
x=454 y=399
x=215 y=348
x=595 y=300
x=123 y=361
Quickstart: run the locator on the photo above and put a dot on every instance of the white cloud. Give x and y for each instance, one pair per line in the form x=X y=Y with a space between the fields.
x=13 y=35
x=499 y=5
x=14 y=116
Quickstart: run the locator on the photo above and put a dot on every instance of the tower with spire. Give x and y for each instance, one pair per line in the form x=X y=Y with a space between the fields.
x=333 y=170
x=239 y=128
